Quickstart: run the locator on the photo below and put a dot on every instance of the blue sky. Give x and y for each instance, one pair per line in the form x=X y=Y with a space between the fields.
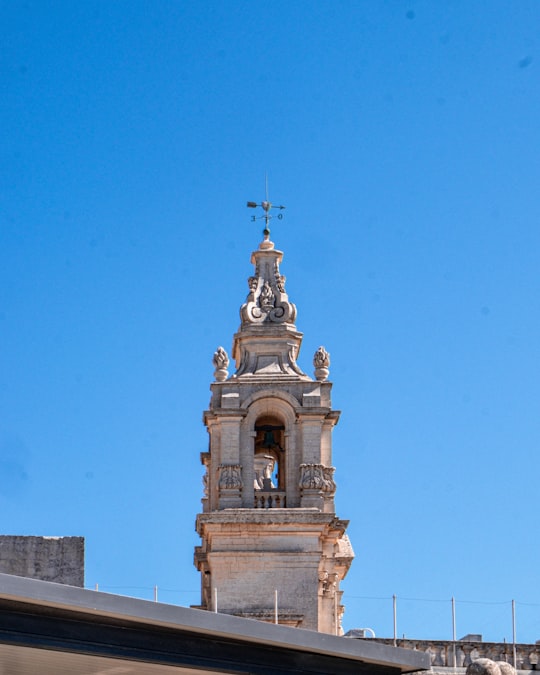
x=403 y=137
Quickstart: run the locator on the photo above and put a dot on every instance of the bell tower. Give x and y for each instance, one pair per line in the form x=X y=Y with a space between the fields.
x=272 y=546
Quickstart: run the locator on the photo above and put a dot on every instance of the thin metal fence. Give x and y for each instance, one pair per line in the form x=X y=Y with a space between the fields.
x=400 y=617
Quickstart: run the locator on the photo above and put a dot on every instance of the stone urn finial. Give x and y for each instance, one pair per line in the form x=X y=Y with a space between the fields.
x=221 y=363
x=321 y=361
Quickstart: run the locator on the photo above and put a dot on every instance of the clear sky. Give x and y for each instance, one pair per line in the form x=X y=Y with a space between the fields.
x=404 y=139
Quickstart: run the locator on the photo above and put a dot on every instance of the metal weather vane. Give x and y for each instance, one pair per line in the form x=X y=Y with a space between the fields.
x=267 y=216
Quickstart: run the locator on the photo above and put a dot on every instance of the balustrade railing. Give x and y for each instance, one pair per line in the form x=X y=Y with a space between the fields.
x=271 y=499
x=461 y=653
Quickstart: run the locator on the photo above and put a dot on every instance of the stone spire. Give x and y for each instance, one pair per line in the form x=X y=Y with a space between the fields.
x=267 y=342
x=267 y=301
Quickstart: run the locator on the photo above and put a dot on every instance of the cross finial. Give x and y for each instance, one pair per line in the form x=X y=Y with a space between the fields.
x=266 y=206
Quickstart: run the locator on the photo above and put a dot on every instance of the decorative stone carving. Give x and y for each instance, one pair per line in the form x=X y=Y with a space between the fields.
x=329 y=484
x=279 y=278
x=321 y=358
x=280 y=282
x=221 y=363
x=267 y=300
x=293 y=352
x=221 y=360
x=321 y=361
x=205 y=461
x=328 y=582
x=317 y=477
x=311 y=476
x=230 y=477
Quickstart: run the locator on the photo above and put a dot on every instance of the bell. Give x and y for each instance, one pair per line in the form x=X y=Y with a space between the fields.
x=269 y=441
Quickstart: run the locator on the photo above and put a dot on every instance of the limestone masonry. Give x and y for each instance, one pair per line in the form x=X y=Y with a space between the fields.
x=453 y=658
x=58 y=559
x=268 y=523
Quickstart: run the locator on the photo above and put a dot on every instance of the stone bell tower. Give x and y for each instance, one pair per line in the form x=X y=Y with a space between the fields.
x=272 y=544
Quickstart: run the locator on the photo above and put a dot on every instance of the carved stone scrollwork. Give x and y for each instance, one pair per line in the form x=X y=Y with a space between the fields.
x=279 y=278
x=230 y=477
x=311 y=476
x=329 y=484
x=317 y=477
x=293 y=352
x=280 y=282
x=267 y=300
x=328 y=582
x=205 y=484
x=321 y=361
x=221 y=363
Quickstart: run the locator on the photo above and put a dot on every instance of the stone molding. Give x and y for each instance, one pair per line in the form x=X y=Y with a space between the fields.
x=308 y=517
x=285 y=617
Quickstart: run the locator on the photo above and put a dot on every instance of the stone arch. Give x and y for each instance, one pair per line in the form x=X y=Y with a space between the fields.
x=275 y=399
x=269 y=454
x=269 y=448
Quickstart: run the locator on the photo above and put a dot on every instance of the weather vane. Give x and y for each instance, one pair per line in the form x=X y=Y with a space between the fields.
x=266 y=206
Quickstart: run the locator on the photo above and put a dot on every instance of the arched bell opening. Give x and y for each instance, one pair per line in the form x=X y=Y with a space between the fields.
x=269 y=462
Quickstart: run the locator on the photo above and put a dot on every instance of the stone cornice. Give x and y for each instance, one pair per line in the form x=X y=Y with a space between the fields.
x=210 y=416
x=300 y=516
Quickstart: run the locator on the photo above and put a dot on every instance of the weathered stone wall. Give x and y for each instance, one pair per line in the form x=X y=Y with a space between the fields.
x=58 y=559
x=248 y=554
x=442 y=652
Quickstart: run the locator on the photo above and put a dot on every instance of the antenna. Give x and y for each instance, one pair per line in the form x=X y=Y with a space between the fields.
x=266 y=206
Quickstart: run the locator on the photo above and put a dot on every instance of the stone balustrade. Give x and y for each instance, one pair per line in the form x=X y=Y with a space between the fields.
x=442 y=652
x=270 y=499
